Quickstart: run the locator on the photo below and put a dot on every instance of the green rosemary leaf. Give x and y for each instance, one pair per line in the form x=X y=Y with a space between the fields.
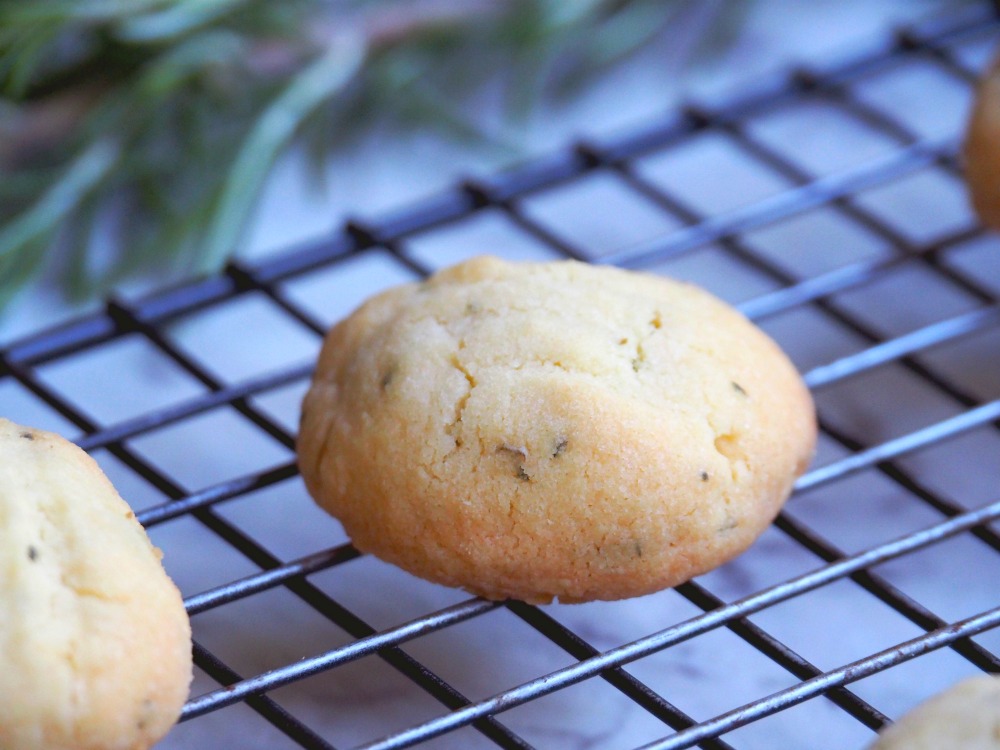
x=272 y=131
x=562 y=14
x=76 y=10
x=167 y=73
x=18 y=268
x=173 y=247
x=23 y=56
x=182 y=17
x=628 y=30
x=631 y=28
x=84 y=277
x=60 y=199
x=16 y=189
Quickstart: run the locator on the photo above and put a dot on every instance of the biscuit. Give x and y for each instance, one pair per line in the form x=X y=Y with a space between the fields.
x=964 y=717
x=545 y=430
x=982 y=148
x=94 y=640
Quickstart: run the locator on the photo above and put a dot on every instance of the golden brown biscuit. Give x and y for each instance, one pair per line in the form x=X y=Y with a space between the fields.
x=982 y=148
x=964 y=717
x=94 y=640
x=553 y=430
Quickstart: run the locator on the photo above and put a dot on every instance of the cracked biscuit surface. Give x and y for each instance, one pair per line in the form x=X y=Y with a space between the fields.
x=545 y=430
x=94 y=640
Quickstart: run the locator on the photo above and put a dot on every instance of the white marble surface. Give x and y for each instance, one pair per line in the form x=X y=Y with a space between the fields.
x=709 y=674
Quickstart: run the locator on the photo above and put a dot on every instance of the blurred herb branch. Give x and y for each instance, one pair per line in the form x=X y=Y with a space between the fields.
x=137 y=134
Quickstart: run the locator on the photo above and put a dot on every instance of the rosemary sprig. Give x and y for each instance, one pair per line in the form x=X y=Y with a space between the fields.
x=137 y=134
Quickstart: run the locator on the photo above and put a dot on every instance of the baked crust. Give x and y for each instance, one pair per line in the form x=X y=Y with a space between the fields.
x=563 y=430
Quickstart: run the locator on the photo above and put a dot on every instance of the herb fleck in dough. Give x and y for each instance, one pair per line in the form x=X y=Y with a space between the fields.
x=535 y=431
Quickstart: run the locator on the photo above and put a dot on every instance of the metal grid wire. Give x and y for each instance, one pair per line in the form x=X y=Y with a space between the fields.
x=926 y=355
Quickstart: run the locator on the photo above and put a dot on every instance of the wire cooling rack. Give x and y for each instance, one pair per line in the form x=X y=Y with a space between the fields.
x=829 y=208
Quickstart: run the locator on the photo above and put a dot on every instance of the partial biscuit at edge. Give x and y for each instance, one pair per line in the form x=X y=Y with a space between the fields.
x=95 y=642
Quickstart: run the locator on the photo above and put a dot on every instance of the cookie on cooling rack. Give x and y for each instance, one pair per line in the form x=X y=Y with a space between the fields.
x=982 y=149
x=94 y=640
x=548 y=430
x=964 y=717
